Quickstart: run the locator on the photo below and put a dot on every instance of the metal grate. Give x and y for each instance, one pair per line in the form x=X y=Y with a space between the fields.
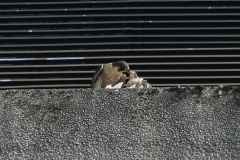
x=59 y=44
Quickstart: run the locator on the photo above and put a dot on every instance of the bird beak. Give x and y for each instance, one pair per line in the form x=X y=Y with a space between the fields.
x=130 y=72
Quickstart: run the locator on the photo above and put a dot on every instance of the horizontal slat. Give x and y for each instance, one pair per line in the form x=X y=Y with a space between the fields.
x=45 y=86
x=190 y=42
x=119 y=15
x=119 y=50
x=181 y=0
x=187 y=35
x=191 y=77
x=162 y=56
x=146 y=63
x=189 y=70
x=119 y=22
x=64 y=44
x=68 y=37
x=45 y=72
x=40 y=66
x=40 y=79
x=68 y=51
x=116 y=43
x=60 y=3
x=163 y=63
x=112 y=1
x=136 y=64
x=121 y=8
x=115 y=36
x=117 y=29
x=118 y=57
x=185 y=63
x=194 y=84
x=65 y=30
x=187 y=28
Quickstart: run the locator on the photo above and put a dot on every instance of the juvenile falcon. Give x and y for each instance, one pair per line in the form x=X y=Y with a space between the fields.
x=110 y=74
x=136 y=82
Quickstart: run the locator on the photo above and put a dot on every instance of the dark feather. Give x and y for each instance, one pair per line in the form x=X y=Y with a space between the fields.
x=122 y=79
x=96 y=74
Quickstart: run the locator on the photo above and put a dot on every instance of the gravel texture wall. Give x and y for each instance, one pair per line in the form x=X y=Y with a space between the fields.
x=157 y=123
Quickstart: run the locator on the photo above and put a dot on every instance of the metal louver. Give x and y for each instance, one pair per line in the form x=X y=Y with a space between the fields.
x=59 y=44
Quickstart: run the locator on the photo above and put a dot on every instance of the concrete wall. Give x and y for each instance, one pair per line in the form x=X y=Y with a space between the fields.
x=159 y=123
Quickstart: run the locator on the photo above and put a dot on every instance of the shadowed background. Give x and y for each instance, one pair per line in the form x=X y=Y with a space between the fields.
x=60 y=43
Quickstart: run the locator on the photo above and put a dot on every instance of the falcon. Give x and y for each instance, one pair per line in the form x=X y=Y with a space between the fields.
x=110 y=74
x=136 y=82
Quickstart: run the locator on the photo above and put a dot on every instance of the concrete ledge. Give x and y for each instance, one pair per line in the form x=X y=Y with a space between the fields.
x=158 y=123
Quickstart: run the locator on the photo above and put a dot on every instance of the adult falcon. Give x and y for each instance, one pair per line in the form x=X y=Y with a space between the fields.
x=110 y=74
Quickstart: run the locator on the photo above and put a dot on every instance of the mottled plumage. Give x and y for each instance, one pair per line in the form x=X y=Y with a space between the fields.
x=110 y=74
x=136 y=82
x=146 y=84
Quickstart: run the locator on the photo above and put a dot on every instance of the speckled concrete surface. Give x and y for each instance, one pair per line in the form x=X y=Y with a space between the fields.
x=158 y=123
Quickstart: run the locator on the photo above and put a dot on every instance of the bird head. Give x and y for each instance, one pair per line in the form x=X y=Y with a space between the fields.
x=121 y=66
x=133 y=74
